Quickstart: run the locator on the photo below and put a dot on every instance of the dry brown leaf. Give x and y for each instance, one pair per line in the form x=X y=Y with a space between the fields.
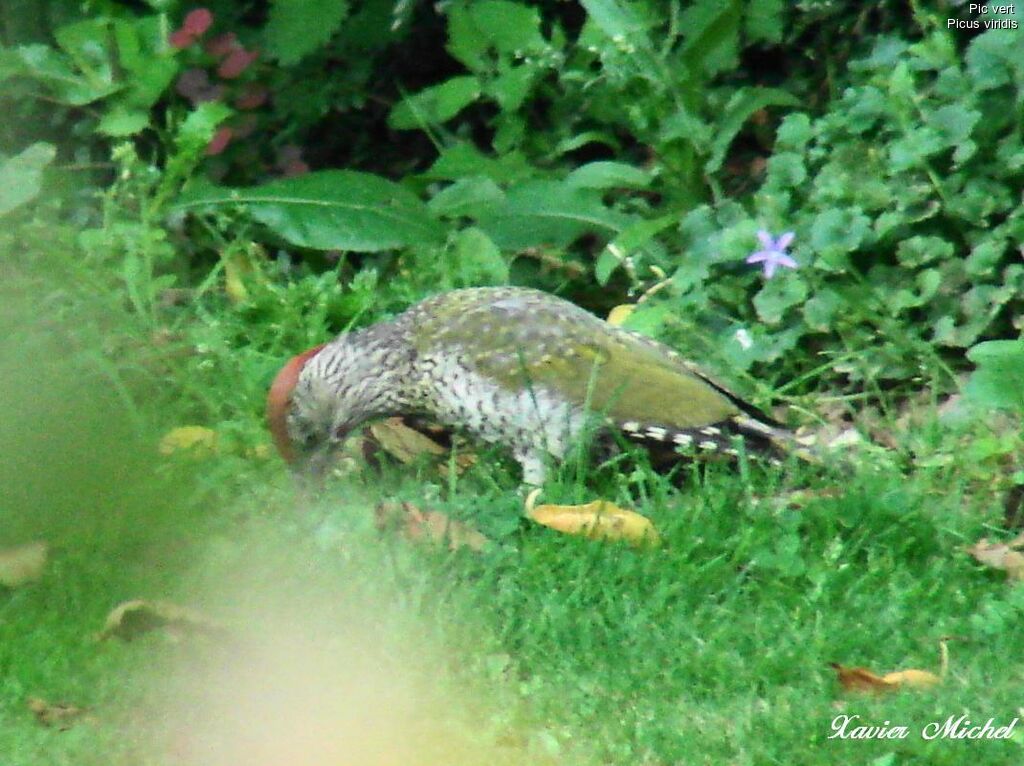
x=402 y=442
x=912 y=678
x=1002 y=556
x=861 y=680
x=131 y=619
x=22 y=564
x=864 y=680
x=197 y=439
x=431 y=526
x=59 y=715
x=598 y=520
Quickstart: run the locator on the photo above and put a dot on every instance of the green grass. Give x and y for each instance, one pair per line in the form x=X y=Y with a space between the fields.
x=712 y=648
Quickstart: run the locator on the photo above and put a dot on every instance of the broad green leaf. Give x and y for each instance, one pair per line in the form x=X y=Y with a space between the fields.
x=764 y=20
x=630 y=239
x=608 y=175
x=329 y=210
x=954 y=123
x=150 y=68
x=466 y=196
x=54 y=70
x=821 y=308
x=88 y=44
x=296 y=28
x=794 y=132
x=711 y=35
x=120 y=122
x=464 y=159
x=477 y=260
x=436 y=104
x=837 y=232
x=465 y=41
x=618 y=20
x=512 y=28
x=198 y=128
x=998 y=381
x=779 y=295
x=511 y=86
x=739 y=109
x=21 y=176
x=915 y=252
x=548 y=213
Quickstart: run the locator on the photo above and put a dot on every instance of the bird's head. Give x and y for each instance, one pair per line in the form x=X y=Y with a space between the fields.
x=322 y=394
x=305 y=415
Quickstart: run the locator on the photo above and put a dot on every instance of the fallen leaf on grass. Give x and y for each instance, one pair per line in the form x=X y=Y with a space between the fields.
x=131 y=619
x=618 y=315
x=913 y=678
x=1004 y=556
x=598 y=520
x=431 y=526
x=197 y=439
x=864 y=680
x=406 y=443
x=22 y=564
x=861 y=679
x=59 y=715
x=403 y=443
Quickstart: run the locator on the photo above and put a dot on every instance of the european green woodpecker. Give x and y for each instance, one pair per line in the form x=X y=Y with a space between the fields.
x=511 y=366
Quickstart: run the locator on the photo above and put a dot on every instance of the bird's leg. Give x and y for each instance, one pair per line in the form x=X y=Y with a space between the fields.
x=534 y=467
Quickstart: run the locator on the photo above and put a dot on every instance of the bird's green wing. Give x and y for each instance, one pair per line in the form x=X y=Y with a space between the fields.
x=523 y=338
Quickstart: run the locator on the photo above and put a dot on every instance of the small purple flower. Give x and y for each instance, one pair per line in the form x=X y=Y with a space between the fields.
x=773 y=253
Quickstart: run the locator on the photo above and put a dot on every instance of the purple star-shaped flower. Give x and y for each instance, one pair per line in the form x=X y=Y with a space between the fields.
x=773 y=253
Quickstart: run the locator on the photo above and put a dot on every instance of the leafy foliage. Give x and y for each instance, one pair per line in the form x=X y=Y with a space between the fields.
x=298 y=27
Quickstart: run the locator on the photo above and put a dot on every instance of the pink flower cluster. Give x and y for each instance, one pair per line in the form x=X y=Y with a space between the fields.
x=231 y=59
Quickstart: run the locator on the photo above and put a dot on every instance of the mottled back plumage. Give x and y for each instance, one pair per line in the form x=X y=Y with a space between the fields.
x=513 y=366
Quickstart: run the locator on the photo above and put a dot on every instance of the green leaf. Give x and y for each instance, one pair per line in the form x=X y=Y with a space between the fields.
x=794 y=132
x=464 y=159
x=465 y=41
x=764 y=20
x=915 y=252
x=632 y=238
x=53 y=69
x=150 y=68
x=512 y=86
x=436 y=104
x=548 y=213
x=741 y=106
x=198 y=128
x=466 y=196
x=617 y=20
x=120 y=122
x=837 y=232
x=608 y=175
x=996 y=58
x=512 y=28
x=477 y=260
x=998 y=381
x=21 y=176
x=953 y=123
x=329 y=210
x=778 y=296
x=711 y=35
x=296 y=28
x=821 y=309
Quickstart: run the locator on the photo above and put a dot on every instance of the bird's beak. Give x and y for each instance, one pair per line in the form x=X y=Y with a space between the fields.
x=311 y=471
